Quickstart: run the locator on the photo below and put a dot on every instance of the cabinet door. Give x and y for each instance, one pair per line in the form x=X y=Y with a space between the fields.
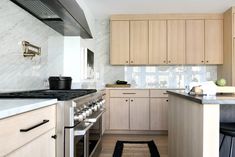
x=195 y=41
x=139 y=113
x=233 y=25
x=157 y=42
x=43 y=146
x=214 y=41
x=158 y=113
x=119 y=43
x=139 y=42
x=176 y=41
x=119 y=113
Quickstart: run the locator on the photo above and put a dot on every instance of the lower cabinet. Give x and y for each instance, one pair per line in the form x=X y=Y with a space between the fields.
x=129 y=113
x=139 y=113
x=119 y=113
x=158 y=114
x=42 y=146
x=137 y=110
x=29 y=134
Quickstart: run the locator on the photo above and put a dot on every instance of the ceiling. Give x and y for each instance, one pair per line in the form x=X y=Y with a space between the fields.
x=105 y=8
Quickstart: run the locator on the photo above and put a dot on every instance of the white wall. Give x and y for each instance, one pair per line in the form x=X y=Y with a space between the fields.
x=17 y=72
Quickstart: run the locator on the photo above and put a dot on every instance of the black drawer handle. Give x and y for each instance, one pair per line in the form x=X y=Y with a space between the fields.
x=128 y=93
x=35 y=126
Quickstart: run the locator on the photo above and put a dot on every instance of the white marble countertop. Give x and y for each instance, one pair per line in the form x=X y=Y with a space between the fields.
x=11 y=107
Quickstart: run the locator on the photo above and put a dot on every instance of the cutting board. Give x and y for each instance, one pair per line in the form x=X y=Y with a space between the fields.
x=118 y=85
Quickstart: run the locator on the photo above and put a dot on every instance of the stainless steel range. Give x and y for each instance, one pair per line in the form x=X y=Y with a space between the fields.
x=83 y=125
x=79 y=119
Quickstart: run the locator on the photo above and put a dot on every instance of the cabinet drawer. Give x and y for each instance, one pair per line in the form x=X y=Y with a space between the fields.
x=158 y=93
x=129 y=93
x=12 y=138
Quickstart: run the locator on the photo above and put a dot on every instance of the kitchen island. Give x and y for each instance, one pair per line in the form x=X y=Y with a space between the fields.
x=193 y=124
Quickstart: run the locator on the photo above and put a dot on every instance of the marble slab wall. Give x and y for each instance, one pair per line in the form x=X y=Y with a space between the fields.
x=17 y=72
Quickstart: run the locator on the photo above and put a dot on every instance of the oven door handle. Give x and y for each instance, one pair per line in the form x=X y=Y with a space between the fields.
x=83 y=131
x=94 y=119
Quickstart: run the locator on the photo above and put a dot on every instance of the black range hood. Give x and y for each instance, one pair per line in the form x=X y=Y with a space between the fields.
x=64 y=16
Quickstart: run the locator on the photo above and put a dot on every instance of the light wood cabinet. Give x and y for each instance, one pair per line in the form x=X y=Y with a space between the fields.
x=167 y=39
x=176 y=41
x=139 y=42
x=42 y=146
x=127 y=93
x=144 y=111
x=119 y=113
x=233 y=25
x=10 y=128
x=158 y=114
x=119 y=42
x=157 y=42
x=227 y=69
x=195 y=35
x=139 y=113
x=214 y=41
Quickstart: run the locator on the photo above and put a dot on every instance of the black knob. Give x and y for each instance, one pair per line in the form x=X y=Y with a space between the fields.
x=202 y=61
x=166 y=100
x=126 y=100
x=54 y=136
x=132 y=100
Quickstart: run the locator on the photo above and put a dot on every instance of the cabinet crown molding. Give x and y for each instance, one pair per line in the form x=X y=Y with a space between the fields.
x=185 y=16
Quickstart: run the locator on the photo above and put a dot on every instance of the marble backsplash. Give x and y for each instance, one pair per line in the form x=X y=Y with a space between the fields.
x=17 y=72
x=168 y=76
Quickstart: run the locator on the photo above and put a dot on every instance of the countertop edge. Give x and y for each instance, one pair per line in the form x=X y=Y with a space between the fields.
x=192 y=98
x=26 y=108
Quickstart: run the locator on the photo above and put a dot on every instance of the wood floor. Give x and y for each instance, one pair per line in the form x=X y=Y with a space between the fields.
x=109 y=141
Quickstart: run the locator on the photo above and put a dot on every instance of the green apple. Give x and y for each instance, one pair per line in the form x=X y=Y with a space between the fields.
x=221 y=82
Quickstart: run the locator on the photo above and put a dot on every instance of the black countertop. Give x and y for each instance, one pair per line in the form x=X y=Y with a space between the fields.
x=218 y=99
x=61 y=95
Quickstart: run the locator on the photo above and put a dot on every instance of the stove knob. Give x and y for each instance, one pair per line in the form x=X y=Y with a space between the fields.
x=96 y=107
x=87 y=113
x=84 y=114
x=78 y=117
x=90 y=111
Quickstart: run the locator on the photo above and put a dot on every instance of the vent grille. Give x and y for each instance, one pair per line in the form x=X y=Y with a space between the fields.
x=37 y=8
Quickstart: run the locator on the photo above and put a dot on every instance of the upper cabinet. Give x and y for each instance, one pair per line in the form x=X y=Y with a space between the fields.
x=166 y=39
x=176 y=41
x=195 y=41
x=157 y=42
x=214 y=41
x=139 y=42
x=233 y=25
x=119 y=42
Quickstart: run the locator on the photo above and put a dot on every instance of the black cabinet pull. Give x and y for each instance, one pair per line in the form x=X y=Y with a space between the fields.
x=54 y=136
x=166 y=100
x=35 y=126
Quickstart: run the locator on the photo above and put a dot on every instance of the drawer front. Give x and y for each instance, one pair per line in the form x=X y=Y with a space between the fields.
x=157 y=93
x=30 y=123
x=129 y=93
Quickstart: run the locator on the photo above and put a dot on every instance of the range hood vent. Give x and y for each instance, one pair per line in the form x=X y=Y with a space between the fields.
x=64 y=16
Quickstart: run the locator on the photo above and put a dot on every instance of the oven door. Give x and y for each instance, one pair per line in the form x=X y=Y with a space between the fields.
x=95 y=133
x=81 y=139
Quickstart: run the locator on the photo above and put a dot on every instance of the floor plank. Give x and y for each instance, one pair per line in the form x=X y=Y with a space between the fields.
x=109 y=141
